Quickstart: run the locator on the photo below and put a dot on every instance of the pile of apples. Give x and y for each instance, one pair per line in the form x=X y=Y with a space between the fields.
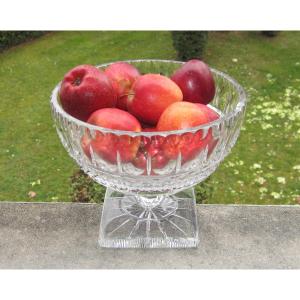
x=121 y=98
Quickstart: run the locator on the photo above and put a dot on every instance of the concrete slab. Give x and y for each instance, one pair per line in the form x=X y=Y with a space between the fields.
x=64 y=236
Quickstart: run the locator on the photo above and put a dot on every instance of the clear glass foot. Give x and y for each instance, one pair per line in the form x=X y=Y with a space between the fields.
x=135 y=221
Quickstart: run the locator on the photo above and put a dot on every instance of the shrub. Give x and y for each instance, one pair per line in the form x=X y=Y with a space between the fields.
x=204 y=191
x=189 y=44
x=85 y=189
x=12 y=38
x=270 y=33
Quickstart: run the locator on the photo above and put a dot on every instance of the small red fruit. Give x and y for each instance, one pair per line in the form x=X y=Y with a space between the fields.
x=195 y=81
x=85 y=89
x=122 y=75
x=151 y=147
x=107 y=145
x=152 y=94
x=140 y=161
x=182 y=115
x=158 y=161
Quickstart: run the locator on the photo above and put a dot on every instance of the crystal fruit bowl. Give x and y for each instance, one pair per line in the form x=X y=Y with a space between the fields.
x=150 y=201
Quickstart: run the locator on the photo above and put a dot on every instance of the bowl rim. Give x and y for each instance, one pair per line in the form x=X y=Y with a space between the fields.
x=223 y=117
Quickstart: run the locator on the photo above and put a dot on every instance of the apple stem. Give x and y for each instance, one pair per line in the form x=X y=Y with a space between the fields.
x=77 y=81
x=127 y=94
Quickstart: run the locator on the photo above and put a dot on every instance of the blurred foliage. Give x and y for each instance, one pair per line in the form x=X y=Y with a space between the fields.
x=204 y=191
x=84 y=189
x=189 y=44
x=12 y=38
x=270 y=33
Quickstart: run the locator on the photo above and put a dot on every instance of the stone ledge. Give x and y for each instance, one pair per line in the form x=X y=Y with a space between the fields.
x=64 y=235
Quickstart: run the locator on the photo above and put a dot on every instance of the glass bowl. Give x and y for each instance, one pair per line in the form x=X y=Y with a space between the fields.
x=150 y=200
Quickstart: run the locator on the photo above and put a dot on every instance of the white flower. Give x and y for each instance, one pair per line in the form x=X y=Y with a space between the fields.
x=235 y=60
x=256 y=166
x=33 y=183
x=265 y=126
x=231 y=164
x=287 y=91
x=281 y=180
x=260 y=180
x=270 y=78
x=263 y=190
x=236 y=172
x=240 y=182
x=275 y=195
x=271 y=153
x=296 y=168
x=267 y=118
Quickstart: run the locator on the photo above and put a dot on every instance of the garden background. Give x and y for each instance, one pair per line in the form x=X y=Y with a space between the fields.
x=263 y=168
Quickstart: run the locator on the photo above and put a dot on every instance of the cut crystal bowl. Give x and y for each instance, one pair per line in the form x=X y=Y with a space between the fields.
x=150 y=200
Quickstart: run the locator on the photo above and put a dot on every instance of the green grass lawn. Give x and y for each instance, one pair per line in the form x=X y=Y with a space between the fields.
x=264 y=166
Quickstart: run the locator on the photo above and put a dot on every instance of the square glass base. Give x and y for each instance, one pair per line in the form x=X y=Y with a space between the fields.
x=135 y=221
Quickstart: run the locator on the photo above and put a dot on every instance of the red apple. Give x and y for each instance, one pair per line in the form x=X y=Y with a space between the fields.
x=183 y=115
x=195 y=81
x=84 y=90
x=122 y=75
x=152 y=94
x=107 y=145
x=212 y=115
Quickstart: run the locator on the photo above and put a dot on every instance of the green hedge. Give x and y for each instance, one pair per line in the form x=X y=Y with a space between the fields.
x=189 y=44
x=12 y=38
